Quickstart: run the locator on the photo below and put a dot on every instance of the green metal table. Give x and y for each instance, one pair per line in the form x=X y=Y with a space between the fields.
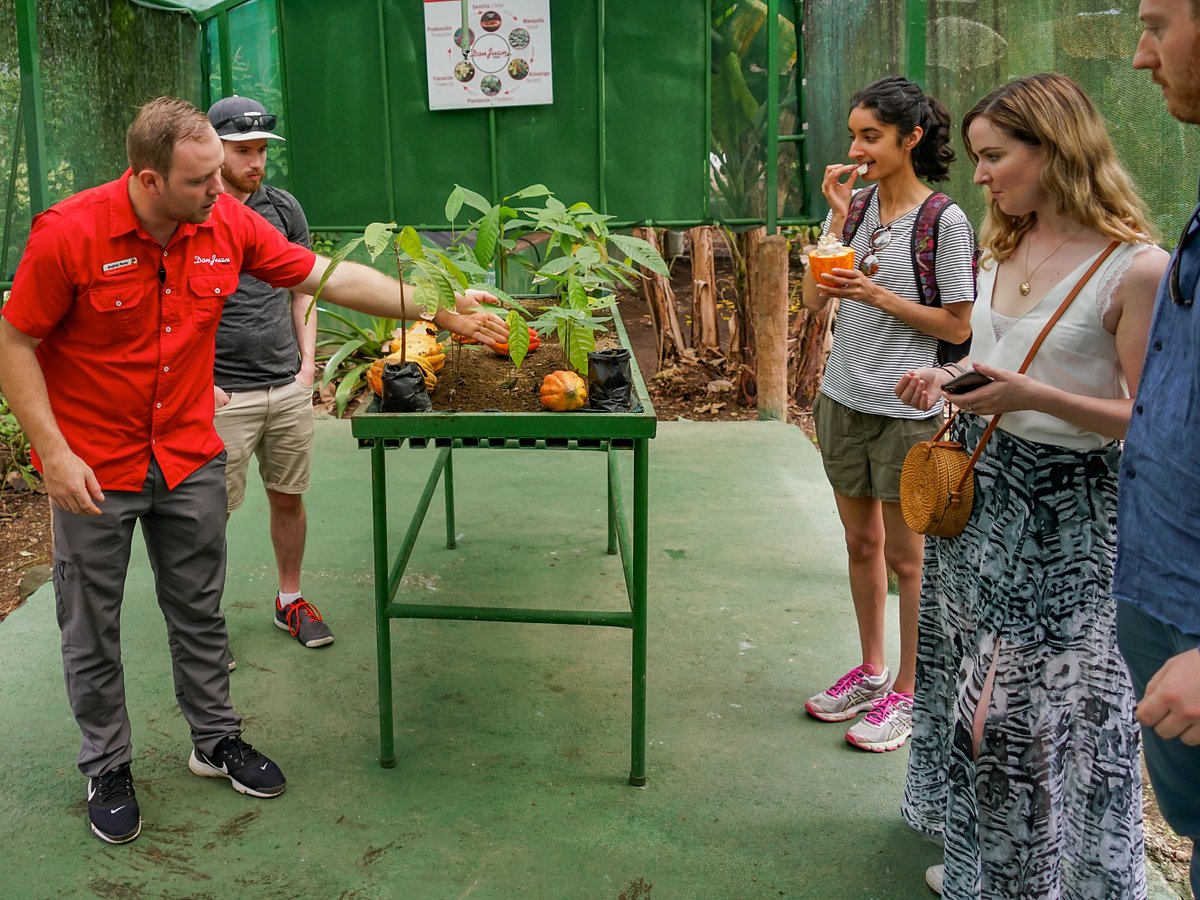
x=608 y=433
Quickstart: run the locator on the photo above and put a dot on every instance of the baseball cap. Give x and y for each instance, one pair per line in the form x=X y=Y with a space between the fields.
x=242 y=119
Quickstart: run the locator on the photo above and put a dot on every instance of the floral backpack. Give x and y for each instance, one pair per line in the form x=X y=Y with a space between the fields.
x=924 y=253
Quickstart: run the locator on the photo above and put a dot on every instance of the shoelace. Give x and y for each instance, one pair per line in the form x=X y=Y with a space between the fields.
x=850 y=680
x=883 y=708
x=236 y=751
x=292 y=616
x=114 y=785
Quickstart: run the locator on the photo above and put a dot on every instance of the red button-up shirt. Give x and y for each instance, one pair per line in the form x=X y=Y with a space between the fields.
x=128 y=327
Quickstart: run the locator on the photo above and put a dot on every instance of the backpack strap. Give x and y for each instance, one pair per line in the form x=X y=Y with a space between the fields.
x=924 y=247
x=924 y=260
x=854 y=215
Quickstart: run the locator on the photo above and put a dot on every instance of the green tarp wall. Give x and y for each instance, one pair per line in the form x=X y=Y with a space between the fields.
x=627 y=131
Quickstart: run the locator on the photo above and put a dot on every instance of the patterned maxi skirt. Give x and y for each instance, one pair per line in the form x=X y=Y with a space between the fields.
x=1052 y=808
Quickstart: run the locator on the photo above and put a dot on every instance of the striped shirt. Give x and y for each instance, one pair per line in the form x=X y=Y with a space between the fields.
x=873 y=349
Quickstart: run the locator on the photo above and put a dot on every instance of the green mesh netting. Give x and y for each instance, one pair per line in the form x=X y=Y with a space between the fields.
x=974 y=46
x=254 y=70
x=100 y=59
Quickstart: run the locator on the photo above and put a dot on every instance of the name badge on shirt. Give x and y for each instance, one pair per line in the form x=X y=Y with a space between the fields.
x=109 y=268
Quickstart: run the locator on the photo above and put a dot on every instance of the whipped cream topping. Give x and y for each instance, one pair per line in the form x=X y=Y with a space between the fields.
x=829 y=245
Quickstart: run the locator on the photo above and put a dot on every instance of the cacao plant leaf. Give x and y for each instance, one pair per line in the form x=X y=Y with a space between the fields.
x=454 y=203
x=518 y=338
x=640 y=252
x=410 y=242
x=377 y=236
x=576 y=294
x=451 y=268
x=473 y=200
x=441 y=283
x=486 y=238
x=582 y=342
x=425 y=293
x=557 y=266
x=534 y=190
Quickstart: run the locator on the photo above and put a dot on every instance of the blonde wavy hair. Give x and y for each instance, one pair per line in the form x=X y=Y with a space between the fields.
x=1081 y=174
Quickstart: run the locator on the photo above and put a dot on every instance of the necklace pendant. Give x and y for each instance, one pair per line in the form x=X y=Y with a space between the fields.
x=1023 y=289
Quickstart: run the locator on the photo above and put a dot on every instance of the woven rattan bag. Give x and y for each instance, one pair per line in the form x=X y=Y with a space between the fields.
x=937 y=485
x=937 y=482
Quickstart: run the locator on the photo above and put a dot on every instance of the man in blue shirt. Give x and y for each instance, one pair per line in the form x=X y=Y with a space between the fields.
x=1157 y=580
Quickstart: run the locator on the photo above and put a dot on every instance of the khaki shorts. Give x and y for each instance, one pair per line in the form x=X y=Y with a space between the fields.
x=274 y=424
x=862 y=452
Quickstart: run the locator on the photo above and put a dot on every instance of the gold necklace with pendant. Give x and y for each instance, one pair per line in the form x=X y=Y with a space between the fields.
x=1023 y=288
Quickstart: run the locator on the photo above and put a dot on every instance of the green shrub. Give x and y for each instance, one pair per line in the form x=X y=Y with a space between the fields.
x=14 y=449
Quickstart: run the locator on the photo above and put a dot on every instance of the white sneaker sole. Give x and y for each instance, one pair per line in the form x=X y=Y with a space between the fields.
x=877 y=746
x=844 y=716
x=108 y=839
x=205 y=770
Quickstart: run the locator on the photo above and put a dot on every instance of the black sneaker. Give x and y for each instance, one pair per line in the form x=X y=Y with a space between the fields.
x=113 y=808
x=304 y=622
x=247 y=770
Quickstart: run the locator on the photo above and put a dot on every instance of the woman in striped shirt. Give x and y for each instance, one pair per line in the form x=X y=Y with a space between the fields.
x=886 y=326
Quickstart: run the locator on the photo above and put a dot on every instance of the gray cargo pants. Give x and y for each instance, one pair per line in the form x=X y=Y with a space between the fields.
x=184 y=530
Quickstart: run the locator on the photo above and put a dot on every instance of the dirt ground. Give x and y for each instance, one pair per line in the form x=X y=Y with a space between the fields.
x=24 y=546
x=698 y=391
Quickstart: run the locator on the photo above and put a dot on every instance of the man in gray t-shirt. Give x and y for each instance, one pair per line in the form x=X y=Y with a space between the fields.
x=265 y=367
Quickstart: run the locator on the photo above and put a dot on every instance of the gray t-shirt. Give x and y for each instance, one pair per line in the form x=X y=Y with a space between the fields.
x=256 y=340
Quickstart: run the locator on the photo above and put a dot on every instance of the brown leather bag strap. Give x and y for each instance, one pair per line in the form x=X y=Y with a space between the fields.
x=1108 y=251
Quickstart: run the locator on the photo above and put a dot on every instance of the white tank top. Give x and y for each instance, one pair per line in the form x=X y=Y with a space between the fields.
x=1079 y=355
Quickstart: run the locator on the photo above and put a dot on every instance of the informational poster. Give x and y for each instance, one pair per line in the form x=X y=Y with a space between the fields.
x=504 y=61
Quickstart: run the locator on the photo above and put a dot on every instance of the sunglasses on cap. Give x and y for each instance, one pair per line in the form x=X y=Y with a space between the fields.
x=249 y=121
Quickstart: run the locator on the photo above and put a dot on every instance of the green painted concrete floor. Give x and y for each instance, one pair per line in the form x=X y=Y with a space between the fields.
x=513 y=740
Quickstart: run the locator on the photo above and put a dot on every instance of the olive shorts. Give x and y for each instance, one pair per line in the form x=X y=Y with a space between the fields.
x=276 y=425
x=863 y=452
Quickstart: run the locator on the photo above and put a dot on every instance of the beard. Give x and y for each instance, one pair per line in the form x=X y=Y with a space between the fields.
x=239 y=182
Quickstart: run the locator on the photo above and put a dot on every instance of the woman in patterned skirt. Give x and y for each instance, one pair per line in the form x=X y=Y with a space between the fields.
x=1025 y=754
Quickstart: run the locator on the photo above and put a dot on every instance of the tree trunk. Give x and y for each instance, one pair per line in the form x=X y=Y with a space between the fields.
x=705 y=337
x=661 y=300
x=770 y=304
x=742 y=338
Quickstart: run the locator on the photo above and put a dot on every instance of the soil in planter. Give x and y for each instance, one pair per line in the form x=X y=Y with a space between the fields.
x=476 y=379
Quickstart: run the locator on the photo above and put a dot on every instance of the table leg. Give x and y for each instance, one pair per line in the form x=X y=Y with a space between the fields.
x=383 y=629
x=641 y=482
x=448 y=487
x=613 y=474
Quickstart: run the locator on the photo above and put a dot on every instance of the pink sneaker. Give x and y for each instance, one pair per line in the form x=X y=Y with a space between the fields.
x=887 y=726
x=850 y=695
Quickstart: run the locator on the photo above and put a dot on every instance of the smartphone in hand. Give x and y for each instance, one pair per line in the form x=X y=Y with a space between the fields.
x=966 y=382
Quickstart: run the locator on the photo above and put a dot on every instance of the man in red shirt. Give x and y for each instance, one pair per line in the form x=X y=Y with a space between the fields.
x=106 y=358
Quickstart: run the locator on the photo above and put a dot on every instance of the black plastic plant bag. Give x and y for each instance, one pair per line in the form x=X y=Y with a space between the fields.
x=404 y=389
x=610 y=384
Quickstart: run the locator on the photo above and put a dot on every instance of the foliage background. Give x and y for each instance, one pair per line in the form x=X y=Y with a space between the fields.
x=100 y=59
x=975 y=45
